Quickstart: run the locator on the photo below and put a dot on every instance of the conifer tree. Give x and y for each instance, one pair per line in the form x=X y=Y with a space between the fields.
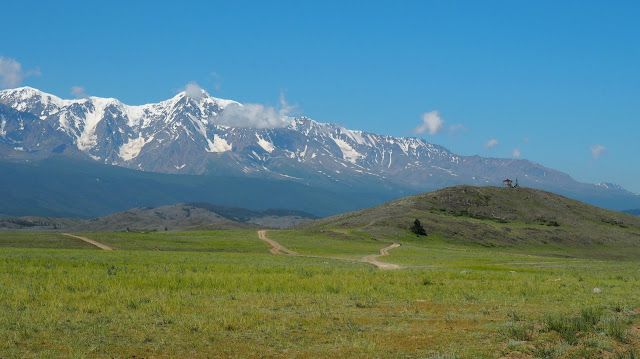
x=417 y=228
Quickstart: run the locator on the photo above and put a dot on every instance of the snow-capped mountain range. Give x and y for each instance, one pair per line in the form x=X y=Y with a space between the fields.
x=196 y=135
x=616 y=187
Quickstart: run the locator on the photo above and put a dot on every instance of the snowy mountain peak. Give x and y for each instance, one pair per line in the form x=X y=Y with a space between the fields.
x=22 y=97
x=195 y=133
x=200 y=96
x=615 y=187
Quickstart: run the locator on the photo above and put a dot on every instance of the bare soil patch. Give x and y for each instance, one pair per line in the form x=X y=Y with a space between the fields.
x=277 y=248
x=90 y=241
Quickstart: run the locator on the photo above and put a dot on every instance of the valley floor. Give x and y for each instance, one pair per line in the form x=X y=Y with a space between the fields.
x=224 y=294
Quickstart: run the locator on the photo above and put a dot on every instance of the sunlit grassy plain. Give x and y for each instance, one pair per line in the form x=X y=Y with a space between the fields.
x=222 y=294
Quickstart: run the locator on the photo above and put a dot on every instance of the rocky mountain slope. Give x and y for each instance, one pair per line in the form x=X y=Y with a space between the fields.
x=203 y=135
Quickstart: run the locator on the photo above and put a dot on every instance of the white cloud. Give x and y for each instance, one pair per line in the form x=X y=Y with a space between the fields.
x=515 y=153
x=432 y=122
x=78 y=92
x=598 y=151
x=12 y=74
x=256 y=115
x=193 y=91
x=491 y=143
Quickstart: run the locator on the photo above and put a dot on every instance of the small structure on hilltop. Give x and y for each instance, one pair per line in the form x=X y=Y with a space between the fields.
x=509 y=183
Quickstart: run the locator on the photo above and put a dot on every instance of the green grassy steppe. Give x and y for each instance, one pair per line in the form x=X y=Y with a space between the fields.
x=236 y=241
x=224 y=295
x=41 y=240
x=502 y=274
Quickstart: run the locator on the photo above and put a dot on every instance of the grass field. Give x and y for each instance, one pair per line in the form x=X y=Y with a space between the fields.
x=236 y=241
x=41 y=240
x=222 y=294
x=326 y=244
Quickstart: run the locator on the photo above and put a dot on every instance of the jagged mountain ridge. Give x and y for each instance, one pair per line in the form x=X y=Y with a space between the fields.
x=181 y=135
x=187 y=135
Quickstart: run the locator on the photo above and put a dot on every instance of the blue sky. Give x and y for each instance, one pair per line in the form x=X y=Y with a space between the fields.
x=558 y=81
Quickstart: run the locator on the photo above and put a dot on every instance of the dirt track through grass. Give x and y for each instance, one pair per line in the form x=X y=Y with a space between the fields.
x=90 y=241
x=277 y=248
x=373 y=259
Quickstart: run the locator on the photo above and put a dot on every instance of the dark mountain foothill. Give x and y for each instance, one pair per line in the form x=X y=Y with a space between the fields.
x=179 y=217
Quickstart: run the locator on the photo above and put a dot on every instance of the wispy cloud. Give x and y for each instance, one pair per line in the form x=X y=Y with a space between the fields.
x=598 y=151
x=217 y=83
x=491 y=143
x=515 y=153
x=78 y=92
x=454 y=129
x=257 y=115
x=285 y=107
x=12 y=74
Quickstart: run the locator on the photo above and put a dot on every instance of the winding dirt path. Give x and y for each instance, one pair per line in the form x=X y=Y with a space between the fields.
x=277 y=248
x=373 y=258
x=90 y=241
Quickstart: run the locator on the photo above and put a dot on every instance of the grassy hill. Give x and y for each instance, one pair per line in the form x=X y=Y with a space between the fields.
x=490 y=216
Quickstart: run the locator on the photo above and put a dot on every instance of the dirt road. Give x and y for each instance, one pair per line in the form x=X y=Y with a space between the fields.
x=277 y=248
x=90 y=241
x=373 y=259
